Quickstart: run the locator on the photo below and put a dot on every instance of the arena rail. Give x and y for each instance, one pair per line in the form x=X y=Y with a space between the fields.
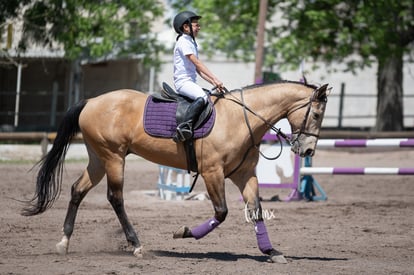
x=44 y=138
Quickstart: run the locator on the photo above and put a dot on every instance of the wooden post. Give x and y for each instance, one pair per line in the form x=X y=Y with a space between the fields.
x=341 y=105
x=258 y=78
x=53 y=107
x=17 y=105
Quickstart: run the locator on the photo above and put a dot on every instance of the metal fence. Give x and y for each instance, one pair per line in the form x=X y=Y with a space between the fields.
x=31 y=111
x=350 y=110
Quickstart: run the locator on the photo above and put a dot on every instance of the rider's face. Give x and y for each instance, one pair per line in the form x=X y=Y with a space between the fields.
x=195 y=25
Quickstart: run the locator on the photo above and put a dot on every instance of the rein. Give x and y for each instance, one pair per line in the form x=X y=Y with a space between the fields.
x=279 y=132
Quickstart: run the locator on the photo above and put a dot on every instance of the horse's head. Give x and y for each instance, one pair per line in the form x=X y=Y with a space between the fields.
x=306 y=121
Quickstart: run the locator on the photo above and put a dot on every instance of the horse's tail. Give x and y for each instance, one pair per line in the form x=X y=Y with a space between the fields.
x=49 y=178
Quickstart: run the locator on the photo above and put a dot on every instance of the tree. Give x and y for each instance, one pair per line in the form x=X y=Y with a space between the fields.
x=356 y=33
x=10 y=9
x=87 y=28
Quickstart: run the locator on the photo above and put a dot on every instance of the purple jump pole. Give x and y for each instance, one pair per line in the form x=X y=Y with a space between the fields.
x=394 y=143
x=356 y=171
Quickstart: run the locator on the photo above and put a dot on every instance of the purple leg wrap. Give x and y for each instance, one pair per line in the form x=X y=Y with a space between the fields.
x=204 y=228
x=262 y=237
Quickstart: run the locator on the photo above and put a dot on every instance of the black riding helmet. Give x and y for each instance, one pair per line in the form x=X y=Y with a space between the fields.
x=184 y=17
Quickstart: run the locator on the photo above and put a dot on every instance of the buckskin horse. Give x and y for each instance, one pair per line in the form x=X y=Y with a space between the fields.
x=112 y=126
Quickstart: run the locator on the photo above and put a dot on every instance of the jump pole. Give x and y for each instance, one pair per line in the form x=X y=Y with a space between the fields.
x=391 y=143
x=356 y=171
x=308 y=182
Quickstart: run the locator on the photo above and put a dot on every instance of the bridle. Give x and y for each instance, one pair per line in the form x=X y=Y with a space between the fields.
x=279 y=133
x=302 y=130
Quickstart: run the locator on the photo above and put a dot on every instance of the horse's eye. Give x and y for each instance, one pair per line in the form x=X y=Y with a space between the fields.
x=316 y=116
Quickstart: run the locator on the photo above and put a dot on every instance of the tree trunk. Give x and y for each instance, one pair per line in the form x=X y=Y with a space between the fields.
x=390 y=92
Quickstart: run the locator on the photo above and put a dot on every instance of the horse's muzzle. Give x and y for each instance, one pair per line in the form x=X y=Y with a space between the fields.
x=309 y=153
x=304 y=148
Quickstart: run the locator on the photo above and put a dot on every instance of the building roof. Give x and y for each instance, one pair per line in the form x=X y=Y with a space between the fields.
x=34 y=53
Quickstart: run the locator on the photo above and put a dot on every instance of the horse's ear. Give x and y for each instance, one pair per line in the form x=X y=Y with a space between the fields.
x=304 y=80
x=321 y=92
x=323 y=88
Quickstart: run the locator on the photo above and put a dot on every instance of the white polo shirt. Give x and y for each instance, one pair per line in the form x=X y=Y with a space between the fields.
x=184 y=69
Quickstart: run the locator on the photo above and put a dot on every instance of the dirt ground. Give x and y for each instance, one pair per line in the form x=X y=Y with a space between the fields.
x=366 y=226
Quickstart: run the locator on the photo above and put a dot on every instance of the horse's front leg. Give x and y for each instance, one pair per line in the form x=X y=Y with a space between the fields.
x=215 y=187
x=254 y=213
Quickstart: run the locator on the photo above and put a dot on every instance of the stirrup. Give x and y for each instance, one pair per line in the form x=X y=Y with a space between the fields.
x=184 y=132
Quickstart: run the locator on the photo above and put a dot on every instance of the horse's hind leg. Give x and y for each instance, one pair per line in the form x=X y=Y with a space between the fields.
x=115 y=177
x=90 y=178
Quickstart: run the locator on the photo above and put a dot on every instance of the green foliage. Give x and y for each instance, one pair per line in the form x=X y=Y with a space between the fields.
x=355 y=32
x=228 y=26
x=89 y=28
x=10 y=8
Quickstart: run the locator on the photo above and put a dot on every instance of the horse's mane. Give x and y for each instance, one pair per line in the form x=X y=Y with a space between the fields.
x=280 y=82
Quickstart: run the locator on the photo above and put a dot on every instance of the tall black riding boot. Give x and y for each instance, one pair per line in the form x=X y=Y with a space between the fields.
x=185 y=129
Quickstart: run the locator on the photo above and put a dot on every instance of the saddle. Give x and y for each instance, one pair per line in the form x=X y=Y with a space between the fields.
x=169 y=95
x=167 y=110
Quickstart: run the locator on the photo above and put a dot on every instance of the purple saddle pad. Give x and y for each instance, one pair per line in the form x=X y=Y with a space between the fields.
x=159 y=119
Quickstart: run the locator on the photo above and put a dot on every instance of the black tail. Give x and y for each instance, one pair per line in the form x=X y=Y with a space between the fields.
x=49 y=178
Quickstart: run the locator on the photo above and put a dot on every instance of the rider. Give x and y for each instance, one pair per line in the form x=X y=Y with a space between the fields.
x=186 y=67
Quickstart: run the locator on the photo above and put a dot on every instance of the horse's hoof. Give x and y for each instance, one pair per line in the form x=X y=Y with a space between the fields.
x=280 y=259
x=277 y=257
x=62 y=247
x=183 y=232
x=138 y=252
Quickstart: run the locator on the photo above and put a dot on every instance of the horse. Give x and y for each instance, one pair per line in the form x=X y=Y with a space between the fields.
x=111 y=125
